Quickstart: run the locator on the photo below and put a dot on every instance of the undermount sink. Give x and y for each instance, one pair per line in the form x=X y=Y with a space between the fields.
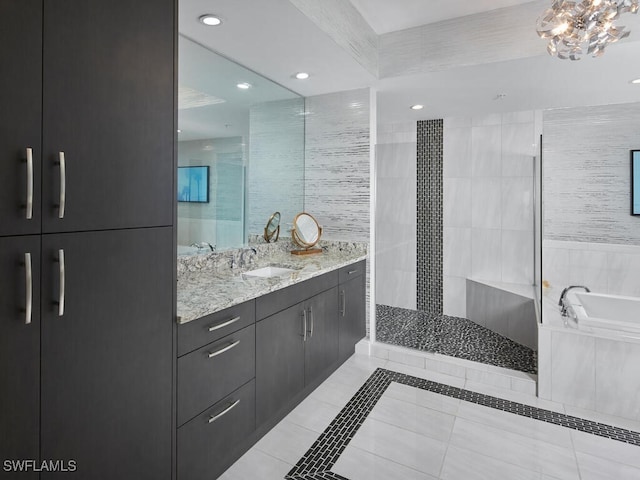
x=270 y=271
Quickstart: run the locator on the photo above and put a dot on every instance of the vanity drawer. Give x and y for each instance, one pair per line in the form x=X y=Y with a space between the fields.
x=206 y=442
x=211 y=372
x=352 y=271
x=208 y=329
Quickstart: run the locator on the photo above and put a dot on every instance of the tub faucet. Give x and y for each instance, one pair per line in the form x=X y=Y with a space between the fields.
x=563 y=307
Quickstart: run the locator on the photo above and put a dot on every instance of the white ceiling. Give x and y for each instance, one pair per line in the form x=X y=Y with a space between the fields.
x=275 y=39
x=386 y=16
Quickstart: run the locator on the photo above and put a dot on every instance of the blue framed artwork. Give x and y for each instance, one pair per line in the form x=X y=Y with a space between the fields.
x=193 y=184
x=635 y=182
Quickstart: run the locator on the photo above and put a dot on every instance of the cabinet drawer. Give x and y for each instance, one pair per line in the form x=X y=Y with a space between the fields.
x=352 y=271
x=211 y=372
x=282 y=299
x=208 y=329
x=206 y=442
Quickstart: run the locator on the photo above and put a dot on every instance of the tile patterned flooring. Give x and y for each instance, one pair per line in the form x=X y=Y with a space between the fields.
x=452 y=336
x=377 y=419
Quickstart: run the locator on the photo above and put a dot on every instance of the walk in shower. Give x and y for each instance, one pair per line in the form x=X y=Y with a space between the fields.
x=458 y=237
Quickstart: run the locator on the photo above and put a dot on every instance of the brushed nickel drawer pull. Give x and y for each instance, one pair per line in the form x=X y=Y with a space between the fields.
x=63 y=184
x=304 y=325
x=343 y=310
x=351 y=272
x=61 y=266
x=223 y=349
x=29 y=288
x=213 y=418
x=213 y=328
x=311 y=321
x=29 y=183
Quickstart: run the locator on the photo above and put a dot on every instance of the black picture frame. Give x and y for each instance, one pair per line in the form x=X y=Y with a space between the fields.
x=193 y=184
x=635 y=182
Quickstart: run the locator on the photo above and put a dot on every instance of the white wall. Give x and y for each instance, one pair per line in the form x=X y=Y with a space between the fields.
x=488 y=202
x=396 y=220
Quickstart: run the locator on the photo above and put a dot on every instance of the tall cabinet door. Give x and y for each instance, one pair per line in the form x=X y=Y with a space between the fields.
x=352 y=315
x=321 y=348
x=279 y=361
x=109 y=111
x=19 y=350
x=20 y=115
x=107 y=352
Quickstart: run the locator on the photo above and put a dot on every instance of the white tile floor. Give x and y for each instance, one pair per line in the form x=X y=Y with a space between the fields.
x=417 y=434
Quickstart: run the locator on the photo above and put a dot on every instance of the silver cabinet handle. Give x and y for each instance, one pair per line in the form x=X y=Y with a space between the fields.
x=29 y=183
x=213 y=328
x=351 y=272
x=28 y=288
x=343 y=310
x=63 y=184
x=213 y=418
x=223 y=349
x=304 y=326
x=311 y=321
x=62 y=280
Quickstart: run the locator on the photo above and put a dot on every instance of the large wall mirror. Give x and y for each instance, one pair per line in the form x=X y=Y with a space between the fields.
x=249 y=134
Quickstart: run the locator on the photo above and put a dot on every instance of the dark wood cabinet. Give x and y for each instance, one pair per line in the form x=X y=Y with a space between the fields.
x=295 y=346
x=19 y=350
x=20 y=114
x=108 y=105
x=280 y=365
x=209 y=442
x=107 y=360
x=94 y=80
x=352 y=309
x=321 y=347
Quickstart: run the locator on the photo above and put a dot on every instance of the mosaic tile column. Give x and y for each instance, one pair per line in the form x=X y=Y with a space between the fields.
x=430 y=214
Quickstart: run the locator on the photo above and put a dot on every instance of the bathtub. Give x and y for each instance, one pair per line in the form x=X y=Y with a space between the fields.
x=599 y=310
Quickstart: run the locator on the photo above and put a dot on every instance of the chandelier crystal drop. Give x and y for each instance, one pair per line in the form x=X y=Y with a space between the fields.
x=576 y=28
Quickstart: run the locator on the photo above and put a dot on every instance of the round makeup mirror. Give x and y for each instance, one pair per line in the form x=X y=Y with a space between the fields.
x=306 y=234
x=273 y=228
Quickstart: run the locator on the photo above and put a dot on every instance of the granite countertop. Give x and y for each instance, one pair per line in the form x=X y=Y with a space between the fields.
x=203 y=291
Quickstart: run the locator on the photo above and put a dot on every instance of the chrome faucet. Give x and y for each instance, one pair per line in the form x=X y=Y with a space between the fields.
x=563 y=307
x=244 y=252
x=203 y=246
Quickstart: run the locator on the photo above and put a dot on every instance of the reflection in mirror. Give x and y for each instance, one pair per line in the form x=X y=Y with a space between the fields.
x=306 y=233
x=251 y=140
x=272 y=230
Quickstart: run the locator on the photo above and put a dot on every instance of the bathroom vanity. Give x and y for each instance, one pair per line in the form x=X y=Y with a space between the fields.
x=252 y=348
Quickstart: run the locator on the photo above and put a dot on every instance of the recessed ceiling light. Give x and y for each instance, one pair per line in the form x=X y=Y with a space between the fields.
x=636 y=81
x=417 y=107
x=244 y=86
x=210 y=20
x=302 y=75
x=179 y=131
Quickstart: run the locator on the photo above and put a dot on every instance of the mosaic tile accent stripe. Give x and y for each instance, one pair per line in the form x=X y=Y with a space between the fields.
x=325 y=451
x=430 y=215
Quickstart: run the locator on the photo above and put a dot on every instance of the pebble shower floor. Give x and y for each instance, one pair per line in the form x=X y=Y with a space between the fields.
x=452 y=336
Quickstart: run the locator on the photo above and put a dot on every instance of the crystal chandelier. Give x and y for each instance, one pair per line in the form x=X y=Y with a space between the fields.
x=575 y=28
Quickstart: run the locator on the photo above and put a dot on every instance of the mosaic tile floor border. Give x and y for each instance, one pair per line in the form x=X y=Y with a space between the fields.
x=452 y=336
x=317 y=462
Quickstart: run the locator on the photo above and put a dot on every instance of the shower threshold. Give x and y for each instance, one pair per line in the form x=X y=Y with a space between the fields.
x=451 y=336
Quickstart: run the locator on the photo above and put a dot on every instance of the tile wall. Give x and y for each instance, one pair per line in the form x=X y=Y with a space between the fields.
x=337 y=187
x=396 y=207
x=488 y=202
